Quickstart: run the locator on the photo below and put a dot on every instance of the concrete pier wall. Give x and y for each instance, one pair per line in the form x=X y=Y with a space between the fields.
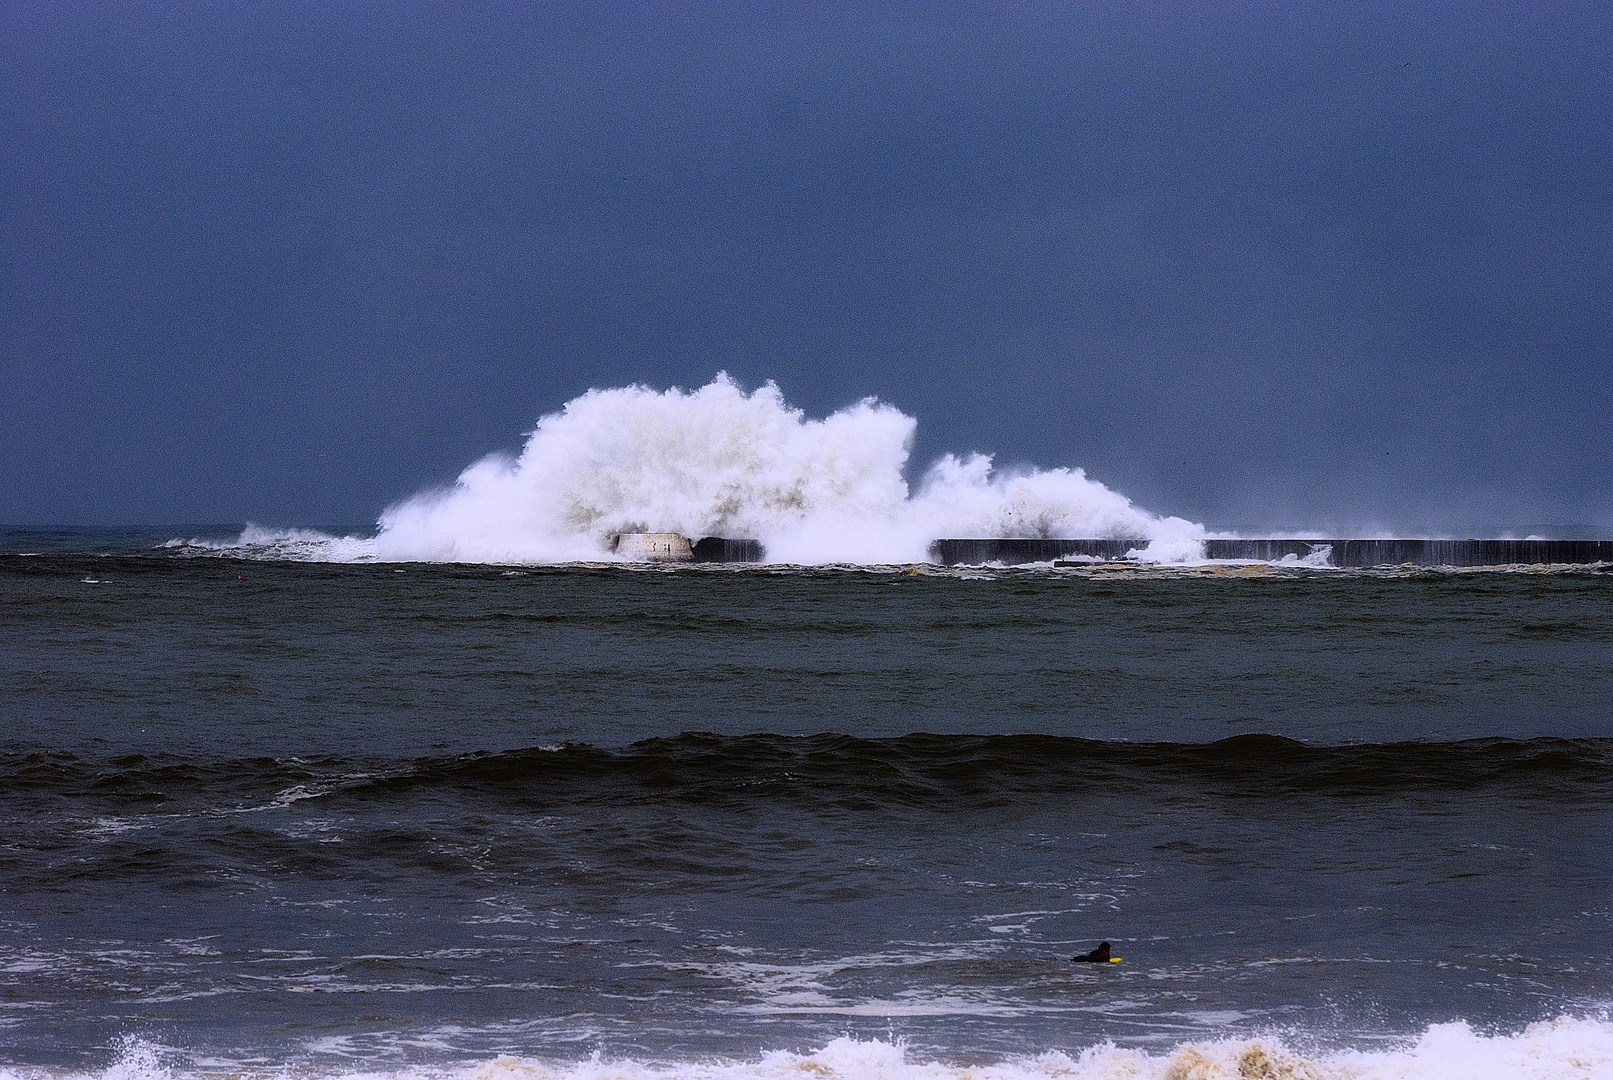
x=1341 y=553
x=1356 y=553
x=1016 y=551
x=673 y=547
x=721 y=549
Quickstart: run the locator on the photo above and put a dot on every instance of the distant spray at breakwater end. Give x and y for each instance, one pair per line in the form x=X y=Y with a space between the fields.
x=720 y=462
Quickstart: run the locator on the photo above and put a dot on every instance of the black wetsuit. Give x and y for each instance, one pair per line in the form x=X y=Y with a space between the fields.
x=1100 y=955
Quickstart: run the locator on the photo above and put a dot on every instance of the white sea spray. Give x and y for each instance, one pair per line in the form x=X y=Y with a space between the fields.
x=718 y=461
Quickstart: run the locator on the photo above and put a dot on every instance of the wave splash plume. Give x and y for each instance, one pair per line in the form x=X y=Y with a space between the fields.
x=718 y=461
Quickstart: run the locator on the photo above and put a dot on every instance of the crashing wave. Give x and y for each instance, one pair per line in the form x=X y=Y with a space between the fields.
x=718 y=461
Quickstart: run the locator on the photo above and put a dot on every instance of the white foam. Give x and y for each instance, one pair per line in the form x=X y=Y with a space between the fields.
x=291 y=545
x=718 y=461
x=1561 y=1049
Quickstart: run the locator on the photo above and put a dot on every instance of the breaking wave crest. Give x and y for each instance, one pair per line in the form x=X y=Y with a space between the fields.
x=290 y=545
x=718 y=461
x=1567 y=1047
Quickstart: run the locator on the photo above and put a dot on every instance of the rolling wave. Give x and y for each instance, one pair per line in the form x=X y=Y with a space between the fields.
x=913 y=769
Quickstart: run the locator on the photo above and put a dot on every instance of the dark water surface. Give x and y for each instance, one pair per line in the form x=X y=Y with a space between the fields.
x=277 y=812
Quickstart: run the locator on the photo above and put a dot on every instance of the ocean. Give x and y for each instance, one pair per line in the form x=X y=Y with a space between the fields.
x=273 y=816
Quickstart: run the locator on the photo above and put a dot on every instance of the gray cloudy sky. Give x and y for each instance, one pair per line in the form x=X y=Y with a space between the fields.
x=1264 y=266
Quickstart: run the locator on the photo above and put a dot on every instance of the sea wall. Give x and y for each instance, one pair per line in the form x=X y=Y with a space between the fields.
x=1015 y=550
x=724 y=550
x=1340 y=553
x=1357 y=553
x=674 y=547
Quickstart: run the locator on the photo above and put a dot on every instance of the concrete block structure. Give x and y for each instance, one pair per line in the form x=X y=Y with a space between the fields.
x=653 y=547
x=676 y=548
x=1012 y=551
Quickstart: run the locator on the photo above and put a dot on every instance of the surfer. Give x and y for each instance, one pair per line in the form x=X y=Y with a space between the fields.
x=1100 y=955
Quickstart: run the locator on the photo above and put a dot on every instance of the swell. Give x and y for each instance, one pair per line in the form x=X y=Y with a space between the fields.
x=916 y=770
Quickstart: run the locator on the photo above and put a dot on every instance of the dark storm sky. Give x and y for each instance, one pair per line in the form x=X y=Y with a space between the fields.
x=1263 y=266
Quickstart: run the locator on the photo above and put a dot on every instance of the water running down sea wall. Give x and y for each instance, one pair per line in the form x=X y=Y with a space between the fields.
x=1016 y=551
x=720 y=549
x=1337 y=553
x=1357 y=553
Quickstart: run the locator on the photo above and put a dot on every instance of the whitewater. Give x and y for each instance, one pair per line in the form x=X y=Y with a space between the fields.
x=718 y=461
x=1567 y=1048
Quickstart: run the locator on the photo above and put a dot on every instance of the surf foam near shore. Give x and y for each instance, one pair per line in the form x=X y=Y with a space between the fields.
x=1566 y=1048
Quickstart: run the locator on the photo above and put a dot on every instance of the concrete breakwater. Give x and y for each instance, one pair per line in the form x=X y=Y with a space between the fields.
x=1338 y=553
x=676 y=548
x=1351 y=553
x=723 y=549
x=1013 y=550
x=652 y=547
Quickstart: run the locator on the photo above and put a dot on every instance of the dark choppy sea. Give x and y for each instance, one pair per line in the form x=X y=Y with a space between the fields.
x=267 y=817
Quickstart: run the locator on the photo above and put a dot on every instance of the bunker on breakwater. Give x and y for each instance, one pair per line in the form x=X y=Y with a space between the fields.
x=1339 y=553
x=652 y=547
x=675 y=547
